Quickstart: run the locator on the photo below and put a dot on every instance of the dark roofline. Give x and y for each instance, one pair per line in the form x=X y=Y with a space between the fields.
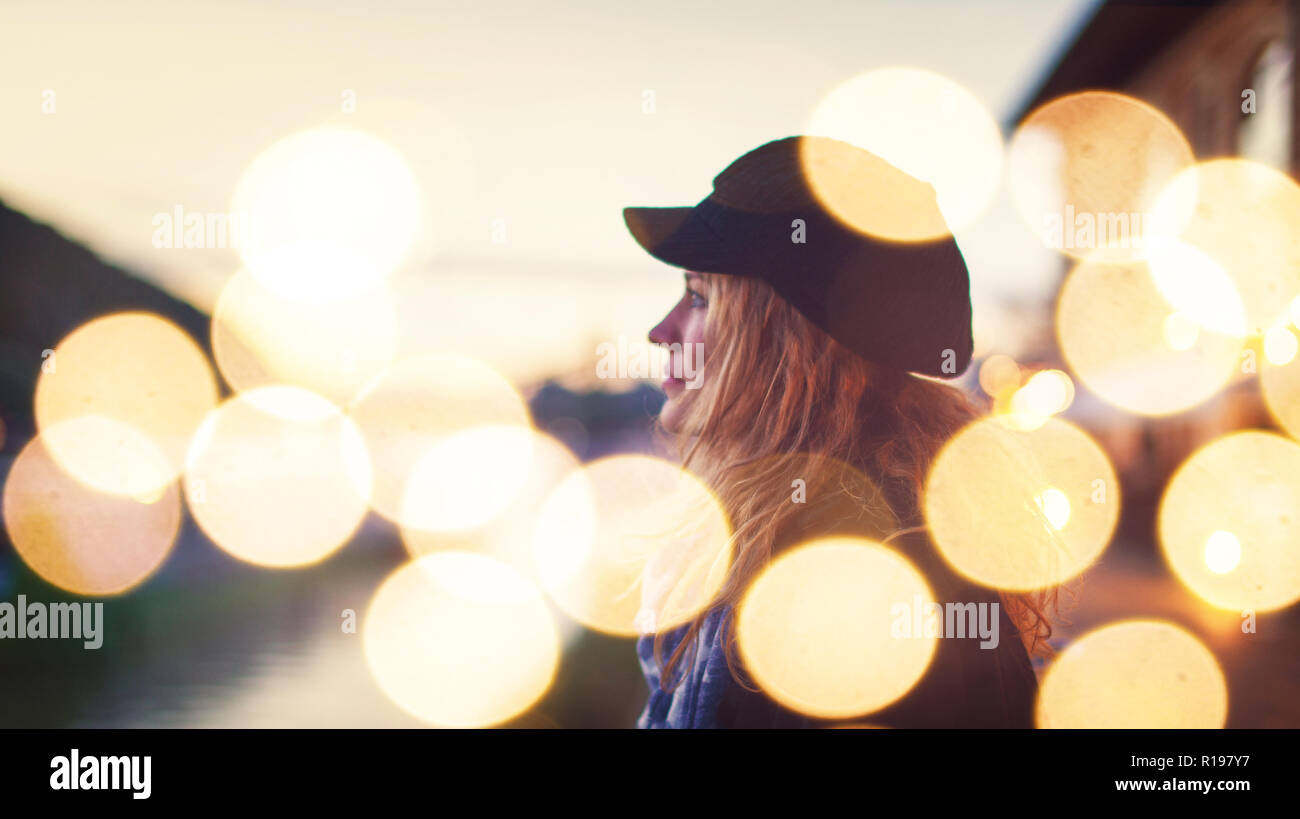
x=1120 y=39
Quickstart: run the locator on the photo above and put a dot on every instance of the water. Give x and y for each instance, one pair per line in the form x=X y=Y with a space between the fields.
x=211 y=643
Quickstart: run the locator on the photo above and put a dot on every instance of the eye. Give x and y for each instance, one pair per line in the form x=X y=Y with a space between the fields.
x=697 y=300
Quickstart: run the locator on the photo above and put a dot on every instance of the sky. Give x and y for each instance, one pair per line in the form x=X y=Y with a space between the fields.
x=526 y=125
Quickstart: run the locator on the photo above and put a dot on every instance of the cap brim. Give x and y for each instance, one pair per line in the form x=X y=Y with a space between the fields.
x=679 y=237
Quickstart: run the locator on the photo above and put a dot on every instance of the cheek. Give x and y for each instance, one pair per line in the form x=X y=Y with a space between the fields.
x=693 y=329
x=694 y=349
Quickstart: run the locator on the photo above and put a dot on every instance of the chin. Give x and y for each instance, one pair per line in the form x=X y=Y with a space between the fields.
x=670 y=417
x=669 y=422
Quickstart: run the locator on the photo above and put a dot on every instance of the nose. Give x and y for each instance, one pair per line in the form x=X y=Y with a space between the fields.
x=665 y=331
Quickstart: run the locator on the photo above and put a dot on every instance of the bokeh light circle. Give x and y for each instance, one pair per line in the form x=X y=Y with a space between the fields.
x=1134 y=674
x=1113 y=326
x=1280 y=346
x=332 y=212
x=261 y=339
x=817 y=628
x=460 y=640
x=1196 y=286
x=140 y=387
x=416 y=406
x=508 y=535
x=81 y=540
x=1021 y=509
x=998 y=374
x=828 y=496
x=467 y=479
x=1243 y=488
x=1046 y=393
x=278 y=477
x=1280 y=386
x=1245 y=216
x=631 y=544
x=1086 y=171
x=921 y=123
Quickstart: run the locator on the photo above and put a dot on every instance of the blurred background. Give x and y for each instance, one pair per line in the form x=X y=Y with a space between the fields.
x=502 y=141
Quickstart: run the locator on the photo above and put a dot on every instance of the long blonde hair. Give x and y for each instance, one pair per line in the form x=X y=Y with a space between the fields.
x=778 y=390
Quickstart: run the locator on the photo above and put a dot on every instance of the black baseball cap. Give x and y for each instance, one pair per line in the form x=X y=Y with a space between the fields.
x=901 y=304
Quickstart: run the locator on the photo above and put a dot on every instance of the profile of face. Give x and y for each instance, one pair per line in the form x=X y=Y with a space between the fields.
x=682 y=332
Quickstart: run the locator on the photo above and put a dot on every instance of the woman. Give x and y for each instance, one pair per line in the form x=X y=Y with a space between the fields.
x=811 y=329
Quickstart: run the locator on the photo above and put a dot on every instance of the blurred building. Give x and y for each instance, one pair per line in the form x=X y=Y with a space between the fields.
x=1194 y=62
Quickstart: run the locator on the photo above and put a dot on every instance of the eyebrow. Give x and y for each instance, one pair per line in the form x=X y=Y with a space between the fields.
x=690 y=275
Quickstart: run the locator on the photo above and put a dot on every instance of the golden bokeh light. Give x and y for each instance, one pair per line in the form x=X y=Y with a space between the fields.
x=331 y=213
x=1046 y=393
x=439 y=153
x=827 y=495
x=1245 y=217
x=1112 y=323
x=467 y=479
x=139 y=387
x=1229 y=522
x=817 y=628
x=1279 y=346
x=1196 y=286
x=1021 y=509
x=1055 y=506
x=1280 y=386
x=998 y=374
x=110 y=456
x=1134 y=674
x=508 y=536
x=631 y=544
x=419 y=404
x=81 y=540
x=923 y=124
x=1086 y=171
x=277 y=477
x=1180 y=332
x=460 y=640
x=1222 y=552
x=260 y=339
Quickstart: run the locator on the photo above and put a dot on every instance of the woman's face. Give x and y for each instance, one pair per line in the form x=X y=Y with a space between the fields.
x=682 y=331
